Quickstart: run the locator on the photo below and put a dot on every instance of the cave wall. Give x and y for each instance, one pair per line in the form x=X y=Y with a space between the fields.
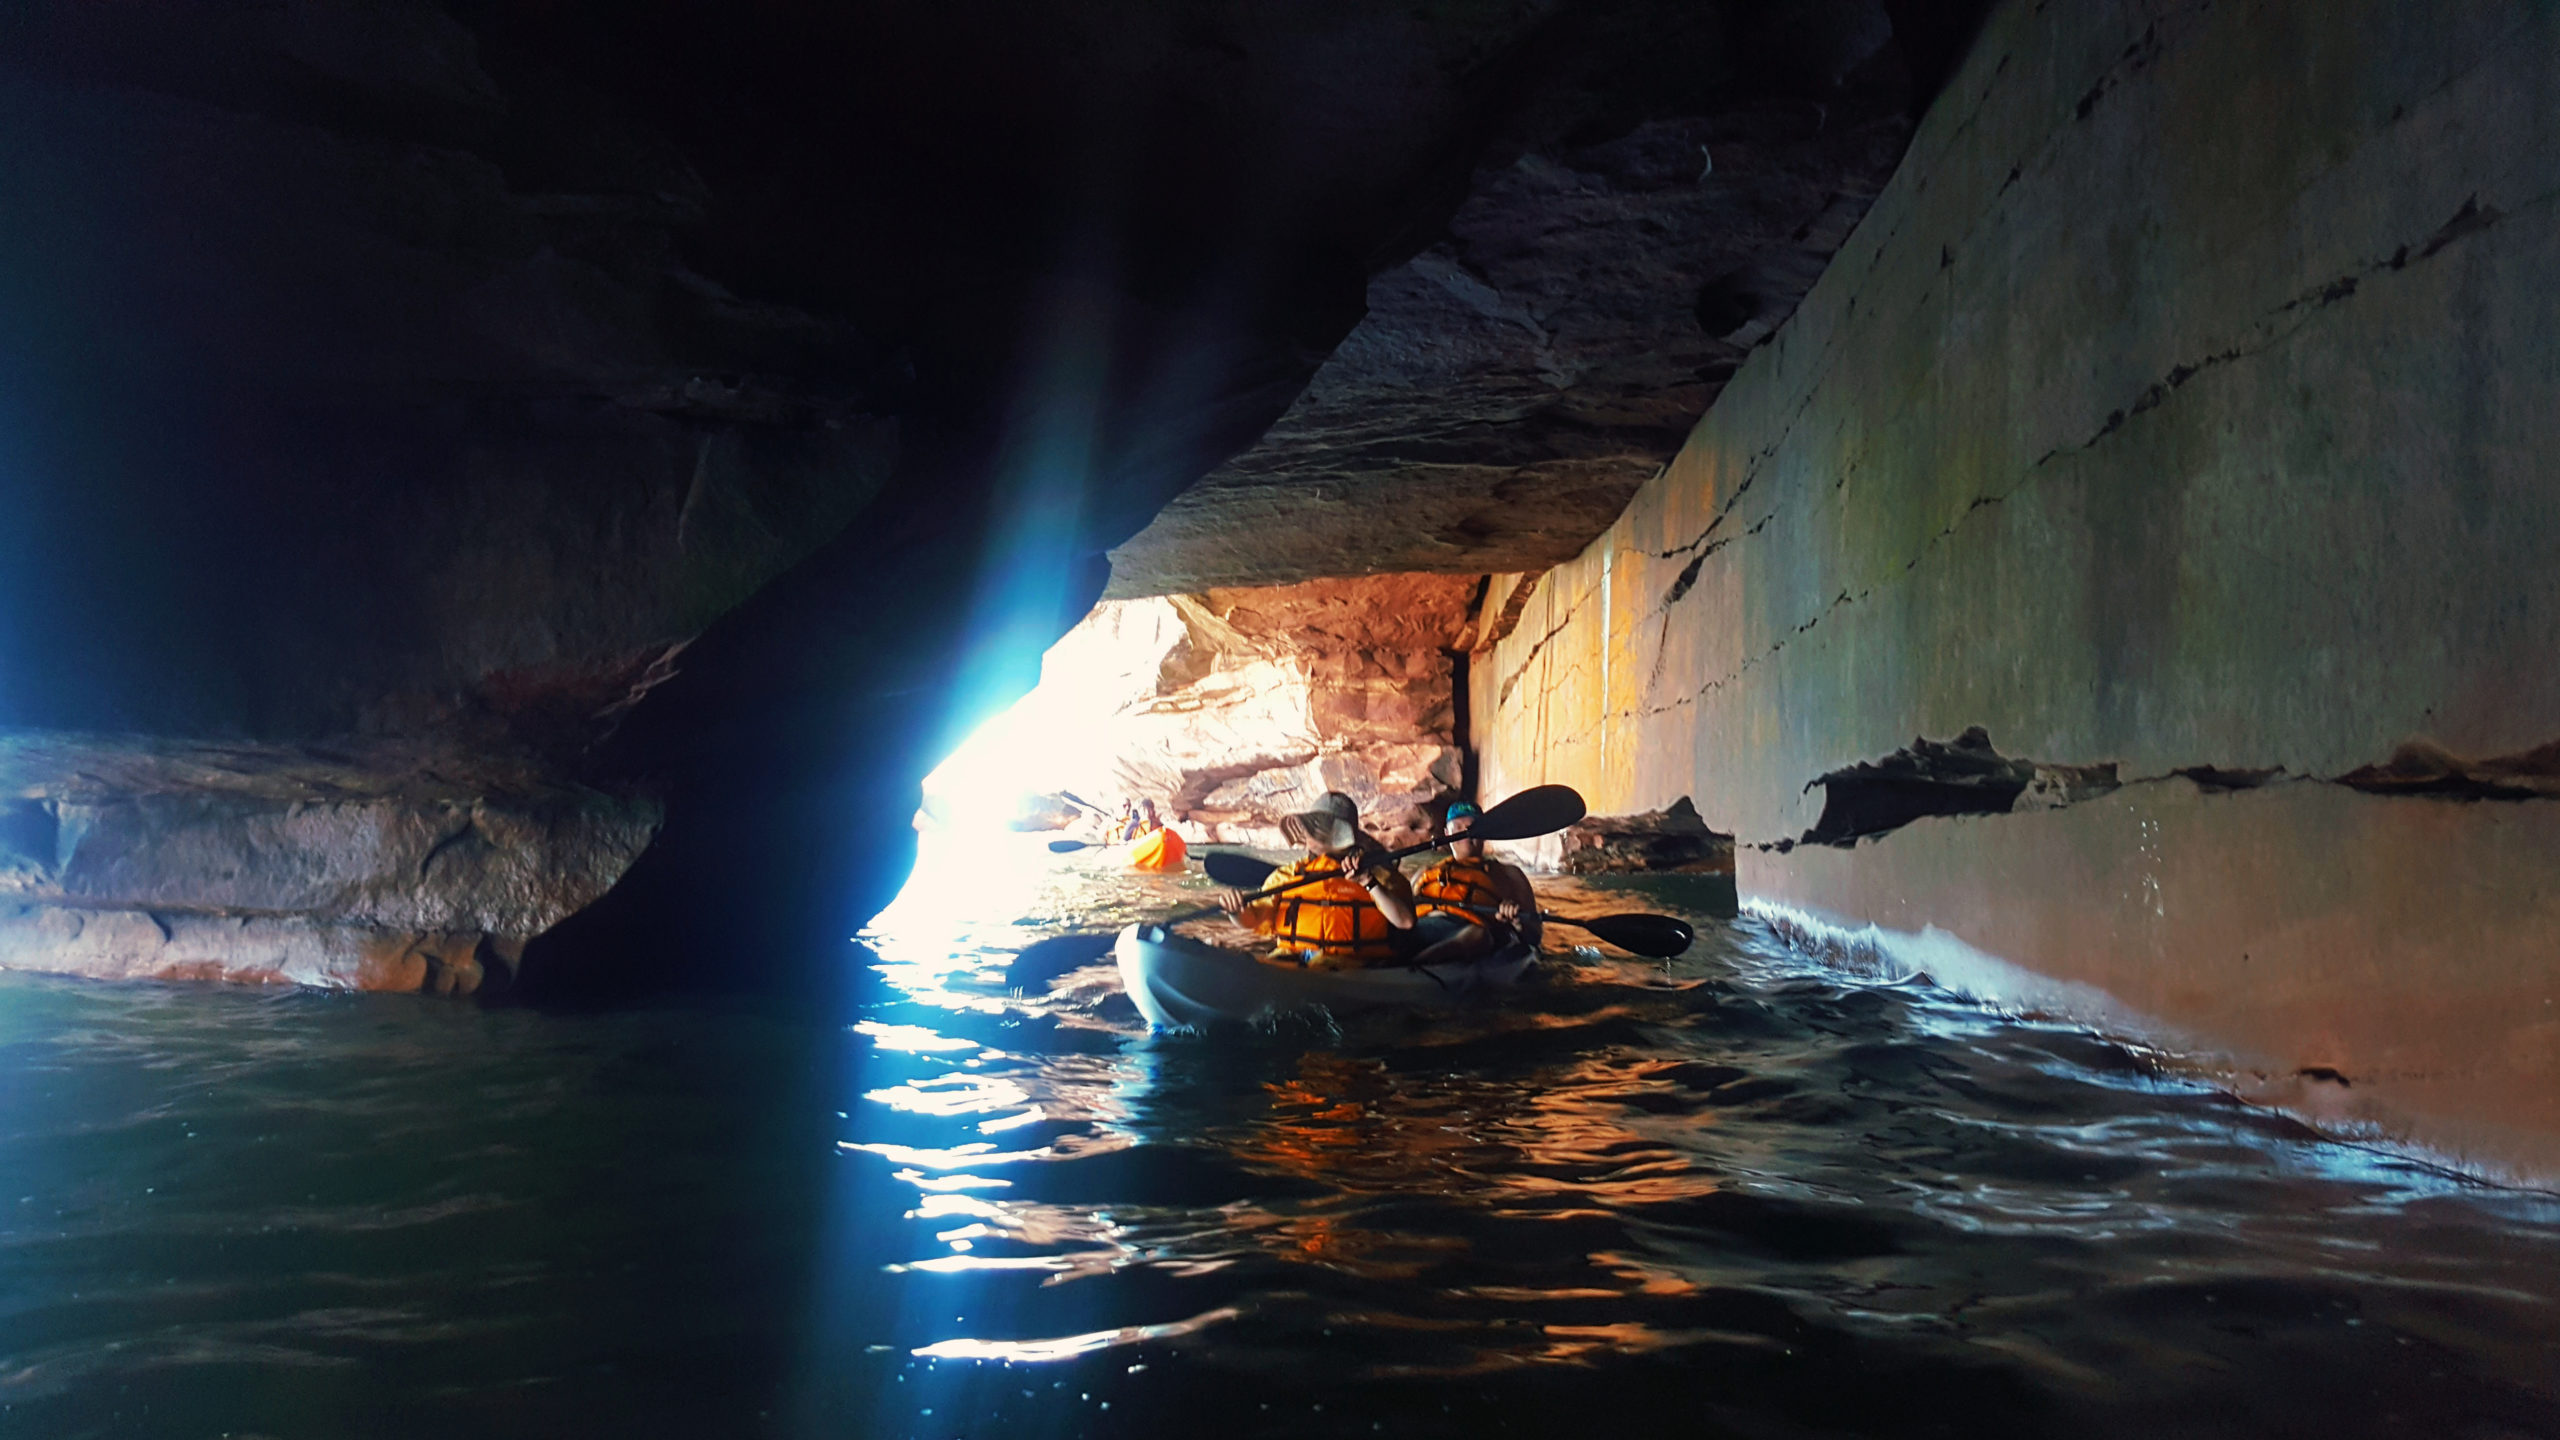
x=689 y=415
x=2185 y=401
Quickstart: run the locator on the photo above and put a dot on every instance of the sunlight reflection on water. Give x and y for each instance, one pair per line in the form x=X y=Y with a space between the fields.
x=1619 y=1160
x=1735 y=1193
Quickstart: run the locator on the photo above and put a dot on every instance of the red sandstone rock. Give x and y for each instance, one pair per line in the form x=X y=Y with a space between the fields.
x=1237 y=707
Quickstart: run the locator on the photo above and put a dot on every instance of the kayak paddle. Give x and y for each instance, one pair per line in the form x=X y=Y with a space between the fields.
x=1538 y=810
x=1042 y=961
x=1657 y=937
x=1064 y=847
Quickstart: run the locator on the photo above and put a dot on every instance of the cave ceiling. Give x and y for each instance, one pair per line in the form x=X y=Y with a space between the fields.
x=1661 y=188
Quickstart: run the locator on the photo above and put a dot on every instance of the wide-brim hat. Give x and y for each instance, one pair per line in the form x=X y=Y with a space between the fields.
x=1332 y=827
x=1320 y=830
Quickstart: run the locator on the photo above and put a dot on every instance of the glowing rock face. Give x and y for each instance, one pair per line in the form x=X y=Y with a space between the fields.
x=1234 y=708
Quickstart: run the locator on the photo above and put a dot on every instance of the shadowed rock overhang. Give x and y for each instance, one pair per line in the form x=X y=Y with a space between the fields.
x=1661 y=195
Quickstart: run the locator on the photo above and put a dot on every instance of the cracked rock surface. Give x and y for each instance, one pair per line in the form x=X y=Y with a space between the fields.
x=2239 y=524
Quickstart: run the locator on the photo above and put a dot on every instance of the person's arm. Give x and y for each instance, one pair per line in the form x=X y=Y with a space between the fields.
x=1513 y=883
x=1390 y=892
x=1252 y=915
x=1260 y=916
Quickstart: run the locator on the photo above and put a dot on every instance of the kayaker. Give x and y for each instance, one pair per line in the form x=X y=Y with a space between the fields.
x=1155 y=845
x=1356 y=912
x=1444 y=932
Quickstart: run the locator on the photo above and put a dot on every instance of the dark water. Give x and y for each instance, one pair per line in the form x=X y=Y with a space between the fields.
x=1737 y=1195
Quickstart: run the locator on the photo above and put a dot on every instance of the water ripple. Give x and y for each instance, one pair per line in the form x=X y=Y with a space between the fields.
x=1736 y=1194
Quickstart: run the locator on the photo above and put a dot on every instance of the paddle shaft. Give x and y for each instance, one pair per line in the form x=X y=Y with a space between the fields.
x=1538 y=810
x=1656 y=937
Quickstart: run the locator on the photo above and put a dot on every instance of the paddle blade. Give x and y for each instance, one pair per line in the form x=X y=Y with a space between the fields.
x=1658 y=936
x=1062 y=847
x=1042 y=961
x=1538 y=810
x=1241 y=871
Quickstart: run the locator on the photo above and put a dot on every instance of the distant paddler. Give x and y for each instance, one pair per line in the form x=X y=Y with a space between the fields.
x=1155 y=847
x=1451 y=900
x=1357 y=913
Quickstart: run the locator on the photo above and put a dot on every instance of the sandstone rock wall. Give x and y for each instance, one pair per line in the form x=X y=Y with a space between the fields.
x=2186 y=404
x=124 y=858
x=1232 y=708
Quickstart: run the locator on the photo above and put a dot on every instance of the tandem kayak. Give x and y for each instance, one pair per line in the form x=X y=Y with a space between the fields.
x=1183 y=984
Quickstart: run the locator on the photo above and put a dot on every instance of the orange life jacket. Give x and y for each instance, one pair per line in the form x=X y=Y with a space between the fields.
x=1333 y=917
x=1453 y=883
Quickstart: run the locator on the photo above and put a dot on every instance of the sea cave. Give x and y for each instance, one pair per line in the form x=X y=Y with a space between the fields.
x=1776 y=718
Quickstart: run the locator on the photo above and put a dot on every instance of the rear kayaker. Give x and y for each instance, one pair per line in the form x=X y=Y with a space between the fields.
x=1183 y=984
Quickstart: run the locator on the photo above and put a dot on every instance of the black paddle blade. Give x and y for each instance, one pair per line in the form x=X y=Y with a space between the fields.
x=1241 y=871
x=1063 y=847
x=1042 y=961
x=1657 y=936
x=1538 y=810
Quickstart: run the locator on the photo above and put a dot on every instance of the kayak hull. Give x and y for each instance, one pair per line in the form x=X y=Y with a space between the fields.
x=1158 y=850
x=1183 y=984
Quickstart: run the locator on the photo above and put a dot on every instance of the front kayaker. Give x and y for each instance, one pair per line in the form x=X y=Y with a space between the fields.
x=1451 y=897
x=1357 y=910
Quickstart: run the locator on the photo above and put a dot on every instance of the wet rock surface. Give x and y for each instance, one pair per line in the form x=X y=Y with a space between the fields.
x=1672 y=839
x=2206 y=515
x=381 y=869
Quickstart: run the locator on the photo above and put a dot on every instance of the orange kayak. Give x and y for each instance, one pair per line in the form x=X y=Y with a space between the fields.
x=1158 y=850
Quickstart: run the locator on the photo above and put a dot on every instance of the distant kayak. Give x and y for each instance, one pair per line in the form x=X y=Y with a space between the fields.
x=1183 y=984
x=1158 y=850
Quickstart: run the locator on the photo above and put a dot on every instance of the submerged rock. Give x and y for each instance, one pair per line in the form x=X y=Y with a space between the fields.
x=1671 y=839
